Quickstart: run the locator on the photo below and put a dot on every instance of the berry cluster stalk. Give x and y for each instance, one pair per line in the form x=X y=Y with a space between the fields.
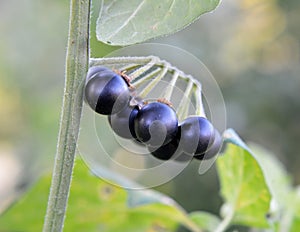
x=77 y=59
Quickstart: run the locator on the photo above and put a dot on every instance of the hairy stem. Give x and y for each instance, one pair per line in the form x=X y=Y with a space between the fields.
x=170 y=88
x=153 y=83
x=77 y=59
x=183 y=107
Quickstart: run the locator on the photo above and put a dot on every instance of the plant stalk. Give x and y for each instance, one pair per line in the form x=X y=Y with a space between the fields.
x=77 y=60
x=225 y=222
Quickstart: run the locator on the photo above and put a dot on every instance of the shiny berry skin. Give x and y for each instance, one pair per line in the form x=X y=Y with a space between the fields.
x=95 y=69
x=122 y=122
x=170 y=151
x=197 y=135
x=107 y=92
x=156 y=124
x=166 y=151
x=183 y=157
x=213 y=150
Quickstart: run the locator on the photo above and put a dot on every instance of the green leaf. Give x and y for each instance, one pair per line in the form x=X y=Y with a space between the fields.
x=159 y=216
x=205 y=220
x=243 y=185
x=296 y=225
x=119 y=209
x=278 y=179
x=126 y=22
x=95 y=205
x=286 y=200
x=28 y=213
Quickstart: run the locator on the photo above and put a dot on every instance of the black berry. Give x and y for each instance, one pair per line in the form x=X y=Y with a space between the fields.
x=95 y=69
x=156 y=124
x=197 y=135
x=122 y=122
x=166 y=151
x=107 y=92
x=170 y=151
x=213 y=150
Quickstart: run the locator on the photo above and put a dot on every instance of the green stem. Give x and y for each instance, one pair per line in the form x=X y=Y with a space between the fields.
x=225 y=223
x=183 y=107
x=153 y=83
x=142 y=80
x=199 y=104
x=77 y=59
x=170 y=88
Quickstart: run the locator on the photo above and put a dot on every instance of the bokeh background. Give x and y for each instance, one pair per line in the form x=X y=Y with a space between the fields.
x=252 y=48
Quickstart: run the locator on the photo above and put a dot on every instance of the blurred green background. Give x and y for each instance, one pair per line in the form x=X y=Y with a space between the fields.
x=252 y=48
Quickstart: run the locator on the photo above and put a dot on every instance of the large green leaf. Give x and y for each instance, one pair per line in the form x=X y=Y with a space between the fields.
x=126 y=22
x=243 y=185
x=278 y=179
x=28 y=213
x=115 y=209
x=295 y=225
x=286 y=200
x=95 y=205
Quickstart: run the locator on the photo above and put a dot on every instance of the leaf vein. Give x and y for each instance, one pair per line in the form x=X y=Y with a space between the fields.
x=128 y=20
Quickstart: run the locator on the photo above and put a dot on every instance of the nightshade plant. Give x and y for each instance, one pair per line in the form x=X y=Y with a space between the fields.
x=246 y=177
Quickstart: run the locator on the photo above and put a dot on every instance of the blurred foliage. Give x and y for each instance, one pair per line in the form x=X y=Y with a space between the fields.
x=95 y=205
x=250 y=46
x=205 y=220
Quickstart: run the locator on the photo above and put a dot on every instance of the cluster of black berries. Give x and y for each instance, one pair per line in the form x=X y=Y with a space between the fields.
x=153 y=124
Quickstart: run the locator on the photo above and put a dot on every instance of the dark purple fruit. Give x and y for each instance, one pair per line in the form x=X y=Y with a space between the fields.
x=197 y=135
x=156 y=124
x=170 y=151
x=122 y=122
x=166 y=151
x=107 y=92
x=95 y=69
x=213 y=150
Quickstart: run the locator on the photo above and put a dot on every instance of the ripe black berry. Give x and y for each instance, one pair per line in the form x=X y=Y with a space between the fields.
x=122 y=122
x=197 y=135
x=166 y=151
x=170 y=150
x=95 y=69
x=213 y=150
x=156 y=124
x=107 y=92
